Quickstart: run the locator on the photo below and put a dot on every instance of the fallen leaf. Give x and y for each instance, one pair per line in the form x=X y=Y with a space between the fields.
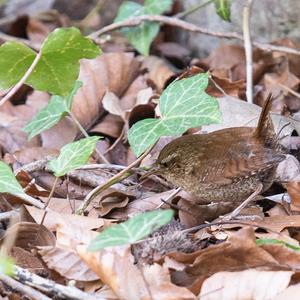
x=53 y=219
x=248 y=284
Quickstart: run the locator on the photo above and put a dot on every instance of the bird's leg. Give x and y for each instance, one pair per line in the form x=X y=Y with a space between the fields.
x=236 y=212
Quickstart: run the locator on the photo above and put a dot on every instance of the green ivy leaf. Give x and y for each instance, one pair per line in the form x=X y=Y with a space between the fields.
x=183 y=105
x=50 y=115
x=6 y=266
x=15 y=59
x=73 y=155
x=131 y=231
x=8 y=181
x=142 y=36
x=261 y=242
x=223 y=9
x=58 y=66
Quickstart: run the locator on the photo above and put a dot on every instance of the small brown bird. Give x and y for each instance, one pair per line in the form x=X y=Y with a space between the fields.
x=231 y=164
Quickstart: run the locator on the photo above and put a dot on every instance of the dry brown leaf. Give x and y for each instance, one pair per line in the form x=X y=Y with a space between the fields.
x=12 y=137
x=30 y=235
x=192 y=214
x=111 y=103
x=111 y=199
x=54 y=219
x=159 y=70
x=278 y=223
x=110 y=125
x=26 y=259
x=115 y=267
x=149 y=202
x=239 y=252
x=110 y=71
x=63 y=258
x=236 y=113
x=36 y=31
x=67 y=263
x=245 y=285
x=60 y=134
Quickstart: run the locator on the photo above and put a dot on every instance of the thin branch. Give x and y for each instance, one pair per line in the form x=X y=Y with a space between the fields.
x=22 y=289
x=49 y=199
x=189 y=27
x=22 y=81
x=115 y=179
x=48 y=286
x=248 y=50
x=30 y=200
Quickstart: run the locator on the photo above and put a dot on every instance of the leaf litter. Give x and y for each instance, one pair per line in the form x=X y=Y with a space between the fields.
x=214 y=262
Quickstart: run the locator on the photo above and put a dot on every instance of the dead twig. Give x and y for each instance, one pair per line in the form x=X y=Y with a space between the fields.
x=50 y=287
x=115 y=179
x=22 y=289
x=189 y=27
x=248 y=50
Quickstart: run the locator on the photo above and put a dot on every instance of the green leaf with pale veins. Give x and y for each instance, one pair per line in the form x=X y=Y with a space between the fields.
x=73 y=155
x=58 y=67
x=131 y=231
x=223 y=9
x=8 y=181
x=183 y=105
x=15 y=59
x=142 y=36
x=50 y=115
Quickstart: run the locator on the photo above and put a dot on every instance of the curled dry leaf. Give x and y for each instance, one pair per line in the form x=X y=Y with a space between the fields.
x=159 y=71
x=239 y=252
x=110 y=71
x=111 y=199
x=115 y=267
x=63 y=258
x=67 y=263
x=248 y=284
x=30 y=235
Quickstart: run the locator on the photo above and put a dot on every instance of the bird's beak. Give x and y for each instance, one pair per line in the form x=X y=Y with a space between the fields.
x=153 y=170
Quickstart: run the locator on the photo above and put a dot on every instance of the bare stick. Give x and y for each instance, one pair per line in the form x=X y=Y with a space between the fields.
x=48 y=286
x=115 y=179
x=22 y=289
x=30 y=200
x=248 y=50
x=22 y=81
x=83 y=131
x=189 y=27
x=48 y=200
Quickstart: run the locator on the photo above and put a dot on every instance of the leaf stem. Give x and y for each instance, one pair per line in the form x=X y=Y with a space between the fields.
x=115 y=179
x=48 y=200
x=83 y=131
x=192 y=9
x=22 y=80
